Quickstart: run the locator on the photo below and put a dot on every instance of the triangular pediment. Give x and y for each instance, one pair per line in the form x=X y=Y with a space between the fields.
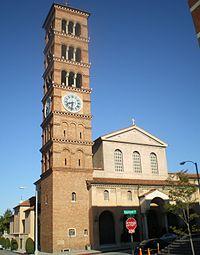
x=155 y=193
x=134 y=135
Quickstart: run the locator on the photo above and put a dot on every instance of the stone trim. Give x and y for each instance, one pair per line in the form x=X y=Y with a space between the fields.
x=72 y=62
x=73 y=115
x=72 y=141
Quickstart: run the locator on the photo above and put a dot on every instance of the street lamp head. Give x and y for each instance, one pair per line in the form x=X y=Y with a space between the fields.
x=182 y=163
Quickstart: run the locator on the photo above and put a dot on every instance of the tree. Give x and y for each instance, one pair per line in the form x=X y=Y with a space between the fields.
x=5 y=221
x=182 y=200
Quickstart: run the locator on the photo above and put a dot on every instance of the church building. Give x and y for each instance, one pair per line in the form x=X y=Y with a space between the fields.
x=85 y=186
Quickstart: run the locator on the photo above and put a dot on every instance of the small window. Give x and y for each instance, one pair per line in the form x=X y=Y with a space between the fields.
x=71 y=232
x=65 y=161
x=73 y=197
x=129 y=195
x=79 y=162
x=46 y=200
x=85 y=232
x=64 y=133
x=80 y=135
x=106 y=195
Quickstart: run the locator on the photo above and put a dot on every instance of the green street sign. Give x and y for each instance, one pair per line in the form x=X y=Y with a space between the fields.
x=129 y=212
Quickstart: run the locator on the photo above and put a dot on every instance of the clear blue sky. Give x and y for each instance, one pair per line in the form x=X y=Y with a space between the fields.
x=145 y=65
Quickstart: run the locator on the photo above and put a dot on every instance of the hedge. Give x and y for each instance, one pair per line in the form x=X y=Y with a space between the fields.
x=14 y=245
x=3 y=242
x=7 y=243
x=30 y=246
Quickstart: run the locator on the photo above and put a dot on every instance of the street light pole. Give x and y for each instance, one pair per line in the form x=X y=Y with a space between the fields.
x=197 y=172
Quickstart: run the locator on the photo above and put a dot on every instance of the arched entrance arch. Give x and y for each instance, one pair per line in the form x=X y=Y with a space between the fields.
x=106 y=228
x=156 y=218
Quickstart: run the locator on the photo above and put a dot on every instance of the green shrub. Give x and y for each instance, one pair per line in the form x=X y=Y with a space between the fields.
x=7 y=243
x=3 y=242
x=30 y=246
x=14 y=245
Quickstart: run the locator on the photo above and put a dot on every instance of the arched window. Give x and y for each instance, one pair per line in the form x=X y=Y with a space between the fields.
x=63 y=51
x=129 y=195
x=64 y=26
x=71 y=79
x=106 y=195
x=154 y=163
x=64 y=77
x=73 y=197
x=79 y=80
x=118 y=160
x=78 y=29
x=70 y=27
x=78 y=55
x=137 y=162
x=71 y=53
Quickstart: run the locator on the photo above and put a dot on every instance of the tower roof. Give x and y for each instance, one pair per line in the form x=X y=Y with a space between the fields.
x=66 y=7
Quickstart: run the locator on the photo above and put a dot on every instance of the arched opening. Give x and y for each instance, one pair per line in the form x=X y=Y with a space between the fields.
x=63 y=51
x=78 y=29
x=78 y=55
x=106 y=228
x=64 y=26
x=70 y=27
x=156 y=218
x=79 y=80
x=129 y=196
x=71 y=79
x=73 y=197
x=118 y=161
x=71 y=53
x=106 y=195
x=154 y=163
x=63 y=77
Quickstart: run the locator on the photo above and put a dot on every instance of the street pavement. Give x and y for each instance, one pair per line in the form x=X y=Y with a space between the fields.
x=6 y=252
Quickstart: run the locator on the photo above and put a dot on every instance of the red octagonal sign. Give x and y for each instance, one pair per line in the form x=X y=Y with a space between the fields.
x=131 y=225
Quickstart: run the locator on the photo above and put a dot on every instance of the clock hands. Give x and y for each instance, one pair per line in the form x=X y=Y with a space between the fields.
x=72 y=103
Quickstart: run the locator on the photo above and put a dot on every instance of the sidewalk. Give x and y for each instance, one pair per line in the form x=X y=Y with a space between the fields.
x=75 y=252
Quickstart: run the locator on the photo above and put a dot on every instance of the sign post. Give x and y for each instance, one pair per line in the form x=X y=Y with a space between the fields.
x=131 y=225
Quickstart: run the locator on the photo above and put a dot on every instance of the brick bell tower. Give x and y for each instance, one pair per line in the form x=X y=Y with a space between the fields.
x=66 y=132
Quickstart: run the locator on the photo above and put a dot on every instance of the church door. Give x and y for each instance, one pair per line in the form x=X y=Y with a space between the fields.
x=106 y=228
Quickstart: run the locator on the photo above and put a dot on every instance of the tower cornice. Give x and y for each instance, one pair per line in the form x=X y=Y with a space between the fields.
x=71 y=62
x=60 y=113
x=66 y=88
x=58 y=33
x=64 y=7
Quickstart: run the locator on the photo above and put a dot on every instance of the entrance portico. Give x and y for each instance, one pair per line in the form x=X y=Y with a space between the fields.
x=154 y=217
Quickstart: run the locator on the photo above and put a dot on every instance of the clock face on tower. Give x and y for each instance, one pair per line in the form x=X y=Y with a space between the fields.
x=47 y=107
x=72 y=103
